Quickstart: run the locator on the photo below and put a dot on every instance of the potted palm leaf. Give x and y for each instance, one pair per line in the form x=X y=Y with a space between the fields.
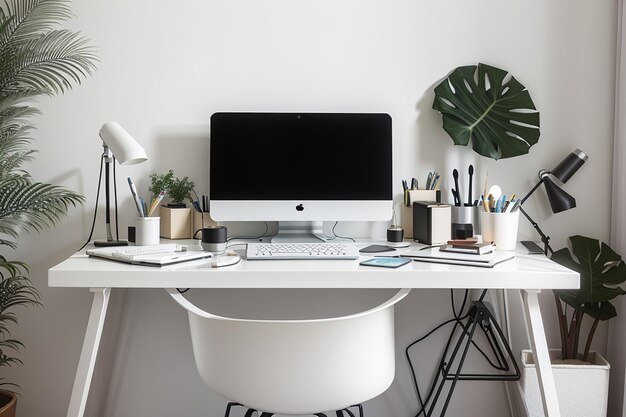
x=35 y=60
x=581 y=375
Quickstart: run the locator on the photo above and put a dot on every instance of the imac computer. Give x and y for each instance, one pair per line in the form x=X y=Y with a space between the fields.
x=300 y=169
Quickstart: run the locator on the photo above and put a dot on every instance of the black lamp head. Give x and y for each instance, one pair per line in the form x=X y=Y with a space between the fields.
x=559 y=199
x=569 y=166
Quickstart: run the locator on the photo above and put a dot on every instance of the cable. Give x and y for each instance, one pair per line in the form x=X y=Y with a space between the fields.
x=251 y=237
x=95 y=210
x=340 y=237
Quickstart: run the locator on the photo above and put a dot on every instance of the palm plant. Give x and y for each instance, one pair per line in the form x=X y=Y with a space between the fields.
x=35 y=60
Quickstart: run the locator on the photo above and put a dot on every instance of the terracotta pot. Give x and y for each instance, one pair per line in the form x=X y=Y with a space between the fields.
x=8 y=404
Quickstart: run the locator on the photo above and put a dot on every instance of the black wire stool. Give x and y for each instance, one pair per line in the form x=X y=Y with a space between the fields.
x=250 y=411
x=450 y=370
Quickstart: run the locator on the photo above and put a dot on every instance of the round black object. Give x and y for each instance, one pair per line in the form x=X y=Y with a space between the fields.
x=215 y=234
x=395 y=234
x=214 y=239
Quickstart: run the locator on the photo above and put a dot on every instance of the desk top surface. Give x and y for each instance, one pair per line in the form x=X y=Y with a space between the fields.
x=523 y=272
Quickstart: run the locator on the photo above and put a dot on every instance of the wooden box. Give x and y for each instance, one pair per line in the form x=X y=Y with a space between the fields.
x=175 y=222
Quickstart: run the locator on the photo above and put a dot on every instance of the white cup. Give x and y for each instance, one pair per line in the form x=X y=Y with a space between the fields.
x=147 y=231
x=500 y=228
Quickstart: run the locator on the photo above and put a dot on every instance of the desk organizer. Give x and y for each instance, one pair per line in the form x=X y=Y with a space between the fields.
x=175 y=222
x=406 y=215
x=465 y=221
x=431 y=222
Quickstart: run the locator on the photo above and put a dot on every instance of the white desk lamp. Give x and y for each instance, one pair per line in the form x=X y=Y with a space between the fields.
x=118 y=145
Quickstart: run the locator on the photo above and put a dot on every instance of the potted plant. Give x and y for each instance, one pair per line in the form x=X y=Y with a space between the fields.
x=35 y=60
x=176 y=216
x=581 y=376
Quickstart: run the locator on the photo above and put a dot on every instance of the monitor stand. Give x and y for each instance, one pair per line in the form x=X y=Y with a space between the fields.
x=299 y=232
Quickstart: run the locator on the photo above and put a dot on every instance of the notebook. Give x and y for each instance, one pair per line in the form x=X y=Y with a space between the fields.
x=435 y=255
x=166 y=255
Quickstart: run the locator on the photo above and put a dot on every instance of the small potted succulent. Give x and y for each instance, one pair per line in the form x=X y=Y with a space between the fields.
x=175 y=216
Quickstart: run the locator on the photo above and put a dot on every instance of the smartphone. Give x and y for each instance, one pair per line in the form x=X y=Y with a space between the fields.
x=385 y=262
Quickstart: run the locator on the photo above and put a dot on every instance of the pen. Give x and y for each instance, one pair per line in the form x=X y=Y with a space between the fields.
x=429 y=180
x=155 y=202
x=405 y=186
x=413 y=183
x=133 y=191
x=435 y=183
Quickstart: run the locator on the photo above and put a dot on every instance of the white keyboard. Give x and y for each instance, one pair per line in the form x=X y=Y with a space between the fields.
x=301 y=251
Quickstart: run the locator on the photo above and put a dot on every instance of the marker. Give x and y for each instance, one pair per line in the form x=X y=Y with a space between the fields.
x=133 y=191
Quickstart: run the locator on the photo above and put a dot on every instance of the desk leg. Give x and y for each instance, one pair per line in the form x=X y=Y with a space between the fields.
x=88 y=354
x=540 y=353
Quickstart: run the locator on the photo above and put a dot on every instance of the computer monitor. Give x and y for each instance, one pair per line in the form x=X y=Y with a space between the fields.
x=300 y=167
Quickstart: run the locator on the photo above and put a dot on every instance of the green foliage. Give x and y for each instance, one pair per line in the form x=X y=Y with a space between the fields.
x=180 y=189
x=177 y=189
x=35 y=60
x=601 y=271
x=160 y=183
x=482 y=104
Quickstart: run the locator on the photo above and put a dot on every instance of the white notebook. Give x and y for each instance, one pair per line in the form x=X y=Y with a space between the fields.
x=435 y=255
x=167 y=256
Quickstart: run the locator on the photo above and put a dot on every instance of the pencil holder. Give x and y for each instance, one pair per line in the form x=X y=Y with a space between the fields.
x=147 y=230
x=500 y=228
x=465 y=221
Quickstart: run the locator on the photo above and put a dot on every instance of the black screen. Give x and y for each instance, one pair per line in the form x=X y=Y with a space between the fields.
x=300 y=156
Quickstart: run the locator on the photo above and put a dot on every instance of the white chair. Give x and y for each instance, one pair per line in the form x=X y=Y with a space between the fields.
x=295 y=367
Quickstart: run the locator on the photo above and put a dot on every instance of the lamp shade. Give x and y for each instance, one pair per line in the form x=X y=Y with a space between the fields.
x=559 y=199
x=569 y=165
x=122 y=145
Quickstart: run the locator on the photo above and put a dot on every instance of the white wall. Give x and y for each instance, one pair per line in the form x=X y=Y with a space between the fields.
x=166 y=67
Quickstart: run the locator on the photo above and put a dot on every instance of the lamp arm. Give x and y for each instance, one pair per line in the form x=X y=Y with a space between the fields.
x=545 y=239
x=541 y=176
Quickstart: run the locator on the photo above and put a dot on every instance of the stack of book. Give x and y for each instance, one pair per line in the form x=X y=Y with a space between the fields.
x=469 y=246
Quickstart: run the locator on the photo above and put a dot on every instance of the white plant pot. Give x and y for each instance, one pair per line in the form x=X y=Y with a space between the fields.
x=582 y=390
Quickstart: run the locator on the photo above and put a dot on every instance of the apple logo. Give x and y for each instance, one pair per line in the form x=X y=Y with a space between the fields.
x=300 y=207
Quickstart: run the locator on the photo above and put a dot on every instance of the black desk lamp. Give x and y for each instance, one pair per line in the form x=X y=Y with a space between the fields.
x=118 y=144
x=559 y=199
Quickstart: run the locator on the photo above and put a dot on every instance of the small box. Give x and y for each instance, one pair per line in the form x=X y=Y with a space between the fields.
x=406 y=217
x=431 y=222
x=175 y=222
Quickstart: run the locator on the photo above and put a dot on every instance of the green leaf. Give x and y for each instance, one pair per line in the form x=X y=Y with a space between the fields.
x=601 y=272
x=482 y=105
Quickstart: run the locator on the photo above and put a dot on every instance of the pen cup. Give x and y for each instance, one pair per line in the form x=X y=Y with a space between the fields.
x=147 y=231
x=465 y=221
x=500 y=228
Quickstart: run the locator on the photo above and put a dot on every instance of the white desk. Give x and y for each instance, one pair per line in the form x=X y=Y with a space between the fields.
x=530 y=274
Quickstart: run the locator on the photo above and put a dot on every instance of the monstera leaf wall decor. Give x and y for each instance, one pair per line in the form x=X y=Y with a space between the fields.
x=481 y=104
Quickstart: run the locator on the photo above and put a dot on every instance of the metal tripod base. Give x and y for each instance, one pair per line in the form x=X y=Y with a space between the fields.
x=479 y=316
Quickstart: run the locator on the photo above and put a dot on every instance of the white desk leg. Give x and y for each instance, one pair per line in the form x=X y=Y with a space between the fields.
x=88 y=354
x=540 y=353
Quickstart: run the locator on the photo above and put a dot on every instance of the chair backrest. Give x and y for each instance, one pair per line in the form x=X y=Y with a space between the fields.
x=295 y=366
